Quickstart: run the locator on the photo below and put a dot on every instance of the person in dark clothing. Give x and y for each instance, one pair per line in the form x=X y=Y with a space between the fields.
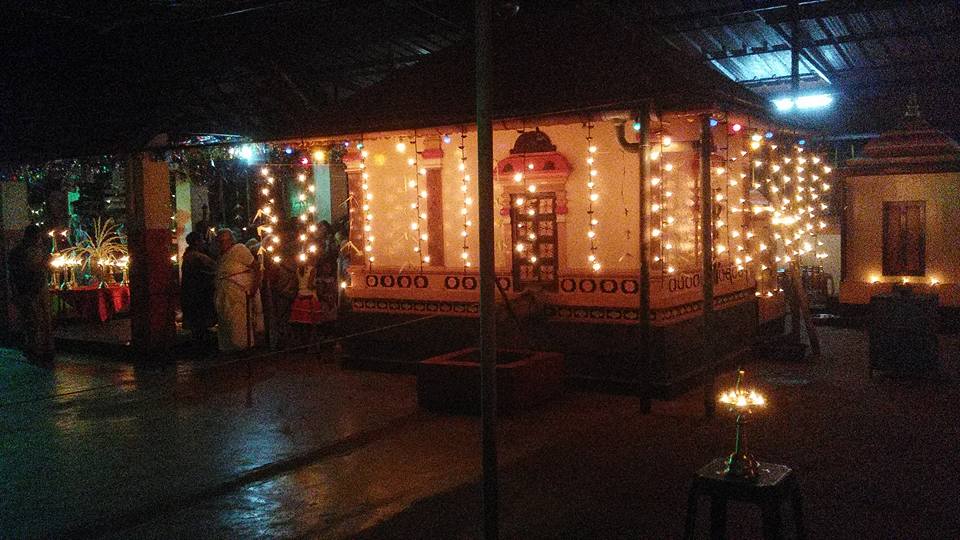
x=281 y=281
x=29 y=275
x=197 y=287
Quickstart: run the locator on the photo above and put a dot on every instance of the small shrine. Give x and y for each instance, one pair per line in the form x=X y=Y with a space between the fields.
x=901 y=212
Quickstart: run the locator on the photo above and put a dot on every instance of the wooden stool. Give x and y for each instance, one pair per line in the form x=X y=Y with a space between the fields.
x=774 y=485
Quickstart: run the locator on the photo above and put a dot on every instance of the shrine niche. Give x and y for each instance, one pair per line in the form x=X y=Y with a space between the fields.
x=533 y=204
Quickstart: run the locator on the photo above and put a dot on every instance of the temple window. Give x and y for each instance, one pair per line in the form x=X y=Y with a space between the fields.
x=903 y=238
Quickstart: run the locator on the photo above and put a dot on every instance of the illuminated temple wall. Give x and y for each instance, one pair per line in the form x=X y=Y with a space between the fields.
x=397 y=282
x=864 y=250
x=902 y=196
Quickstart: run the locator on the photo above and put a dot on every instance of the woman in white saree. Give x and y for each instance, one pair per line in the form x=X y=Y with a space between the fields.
x=238 y=279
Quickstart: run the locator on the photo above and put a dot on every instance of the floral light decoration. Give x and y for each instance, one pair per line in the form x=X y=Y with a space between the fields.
x=742 y=402
x=592 y=197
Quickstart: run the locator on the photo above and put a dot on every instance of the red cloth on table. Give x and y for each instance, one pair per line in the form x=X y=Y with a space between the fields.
x=93 y=303
x=307 y=309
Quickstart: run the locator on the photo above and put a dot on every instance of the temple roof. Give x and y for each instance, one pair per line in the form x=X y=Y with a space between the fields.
x=586 y=60
x=914 y=146
x=83 y=85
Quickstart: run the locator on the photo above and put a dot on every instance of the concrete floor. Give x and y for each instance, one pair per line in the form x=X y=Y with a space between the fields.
x=296 y=447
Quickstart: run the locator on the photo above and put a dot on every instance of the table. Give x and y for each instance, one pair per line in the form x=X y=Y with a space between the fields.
x=93 y=303
x=774 y=485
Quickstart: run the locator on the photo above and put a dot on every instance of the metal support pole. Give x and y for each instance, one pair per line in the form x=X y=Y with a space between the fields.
x=794 y=51
x=644 y=319
x=706 y=240
x=488 y=329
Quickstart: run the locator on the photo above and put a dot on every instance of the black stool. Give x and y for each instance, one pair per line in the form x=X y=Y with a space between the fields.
x=774 y=485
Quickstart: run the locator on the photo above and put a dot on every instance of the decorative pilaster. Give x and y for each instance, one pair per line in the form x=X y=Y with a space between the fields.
x=153 y=282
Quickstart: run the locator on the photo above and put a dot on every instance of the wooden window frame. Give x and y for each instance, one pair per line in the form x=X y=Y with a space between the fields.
x=549 y=285
x=893 y=268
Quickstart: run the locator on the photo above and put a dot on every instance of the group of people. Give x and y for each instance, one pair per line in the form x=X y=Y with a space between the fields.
x=223 y=283
x=253 y=303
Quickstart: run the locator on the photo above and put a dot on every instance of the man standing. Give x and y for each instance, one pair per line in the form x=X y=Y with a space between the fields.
x=28 y=279
x=196 y=288
x=237 y=279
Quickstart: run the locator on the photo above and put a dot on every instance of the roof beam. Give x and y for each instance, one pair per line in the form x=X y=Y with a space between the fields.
x=773 y=12
x=949 y=27
x=944 y=68
x=812 y=63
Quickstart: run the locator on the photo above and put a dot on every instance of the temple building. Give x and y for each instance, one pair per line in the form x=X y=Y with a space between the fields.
x=570 y=173
x=902 y=213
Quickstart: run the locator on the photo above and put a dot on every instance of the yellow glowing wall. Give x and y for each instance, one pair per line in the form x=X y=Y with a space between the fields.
x=616 y=209
x=865 y=198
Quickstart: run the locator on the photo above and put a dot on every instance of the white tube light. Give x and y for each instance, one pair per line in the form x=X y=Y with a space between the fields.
x=810 y=101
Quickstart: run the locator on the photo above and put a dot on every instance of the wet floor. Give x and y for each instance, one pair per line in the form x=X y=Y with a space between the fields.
x=296 y=447
x=98 y=444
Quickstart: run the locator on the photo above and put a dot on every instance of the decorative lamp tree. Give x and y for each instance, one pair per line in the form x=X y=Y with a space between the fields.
x=95 y=251
x=742 y=402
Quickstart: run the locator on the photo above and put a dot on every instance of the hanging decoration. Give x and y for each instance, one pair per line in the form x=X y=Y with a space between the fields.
x=526 y=201
x=412 y=182
x=307 y=229
x=664 y=183
x=793 y=183
x=467 y=200
x=592 y=197
x=367 y=196
x=266 y=218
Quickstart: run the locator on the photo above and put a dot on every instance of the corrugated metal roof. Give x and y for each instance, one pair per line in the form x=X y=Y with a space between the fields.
x=82 y=76
x=850 y=47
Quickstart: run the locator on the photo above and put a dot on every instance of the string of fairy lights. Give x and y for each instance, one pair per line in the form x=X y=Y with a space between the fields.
x=768 y=195
x=412 y=180
x=366 y=198
x=592 y=197
x=661 y=205
x=794 y=183
x=525 y=204
x=467 y=201
x=307 y=233
x=268 y=215
x=269 y=237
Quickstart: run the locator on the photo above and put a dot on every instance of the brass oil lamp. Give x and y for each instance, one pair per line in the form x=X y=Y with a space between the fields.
x=743 y=402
